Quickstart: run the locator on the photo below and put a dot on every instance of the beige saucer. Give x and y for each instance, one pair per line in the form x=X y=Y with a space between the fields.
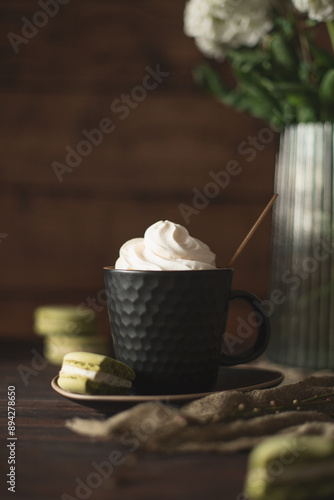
x=241 y=378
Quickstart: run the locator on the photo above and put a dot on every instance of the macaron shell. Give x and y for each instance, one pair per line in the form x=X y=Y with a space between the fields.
x=303 y=453
x=64 y=312
x=82 y=385
x=309 y=448
x=64 y=320
x=70 y=328
x=56 y=347
x=97 y=362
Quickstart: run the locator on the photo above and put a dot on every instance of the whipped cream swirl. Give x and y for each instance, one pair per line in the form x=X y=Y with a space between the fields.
x=166 y=246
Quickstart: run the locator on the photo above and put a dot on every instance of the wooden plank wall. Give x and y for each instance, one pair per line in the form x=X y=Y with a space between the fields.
x=64 y=79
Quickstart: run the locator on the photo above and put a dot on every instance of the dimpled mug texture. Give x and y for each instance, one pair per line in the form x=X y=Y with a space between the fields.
x=168 y=326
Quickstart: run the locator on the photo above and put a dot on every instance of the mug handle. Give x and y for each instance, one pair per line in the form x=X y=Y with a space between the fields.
x=263 y=332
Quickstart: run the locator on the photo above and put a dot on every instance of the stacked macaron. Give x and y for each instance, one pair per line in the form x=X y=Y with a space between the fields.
x=66 y=329
x=89 y=373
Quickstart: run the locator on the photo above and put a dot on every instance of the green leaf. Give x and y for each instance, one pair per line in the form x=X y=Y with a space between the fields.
x=286 y=25
x=326 y=89
x=283 y=55
x=298 y=99
x=305 y=72
x=208 y=79
x=307 y=115
x=288 y=114
x=246 y=60
x=248 y=98
x=255 y=91
x=310 y=23
x=330 y=29
x=297 y=94
x=321 y=57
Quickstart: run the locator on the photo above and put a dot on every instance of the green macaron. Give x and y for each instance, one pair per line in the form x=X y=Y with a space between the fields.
x=64 y=320
x=90 y=373
x=296 y=467
x=56 y=346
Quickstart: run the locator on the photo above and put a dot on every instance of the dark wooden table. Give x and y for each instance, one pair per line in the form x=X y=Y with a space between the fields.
x=51 y=461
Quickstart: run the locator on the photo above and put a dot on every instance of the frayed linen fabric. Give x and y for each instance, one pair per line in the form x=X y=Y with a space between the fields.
x=222 y=422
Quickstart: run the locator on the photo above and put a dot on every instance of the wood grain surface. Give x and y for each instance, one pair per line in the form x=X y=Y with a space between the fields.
x=52 y=461
x=67 y=78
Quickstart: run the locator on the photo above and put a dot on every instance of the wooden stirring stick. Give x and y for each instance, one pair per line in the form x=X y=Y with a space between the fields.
x=252 y=231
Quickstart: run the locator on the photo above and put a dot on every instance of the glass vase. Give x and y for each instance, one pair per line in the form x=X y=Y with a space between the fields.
x=301 y=302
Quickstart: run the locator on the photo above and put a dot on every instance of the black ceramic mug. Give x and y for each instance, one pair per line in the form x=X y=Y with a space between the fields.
x=169 y=326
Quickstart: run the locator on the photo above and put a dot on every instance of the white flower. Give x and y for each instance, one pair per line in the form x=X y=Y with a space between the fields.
x=318 y=10
x=216 y=24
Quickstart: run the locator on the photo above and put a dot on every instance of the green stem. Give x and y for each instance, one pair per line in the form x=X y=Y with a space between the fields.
x=317 y=397
x=265 y=410
x=330 y=29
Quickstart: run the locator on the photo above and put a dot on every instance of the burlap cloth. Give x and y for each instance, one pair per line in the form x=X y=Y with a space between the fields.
x=224 y=421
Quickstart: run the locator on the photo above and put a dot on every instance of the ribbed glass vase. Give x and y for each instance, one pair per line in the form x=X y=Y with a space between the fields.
x=302 y=282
